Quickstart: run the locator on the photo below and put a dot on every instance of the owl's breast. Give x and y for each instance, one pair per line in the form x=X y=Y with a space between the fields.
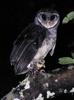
x=44 y=49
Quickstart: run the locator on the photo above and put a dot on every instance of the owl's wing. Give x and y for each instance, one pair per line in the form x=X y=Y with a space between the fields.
x=53 y=48
x=26 y=46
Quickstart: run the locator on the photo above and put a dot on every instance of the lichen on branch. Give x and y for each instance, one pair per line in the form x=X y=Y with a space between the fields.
x=42 y=85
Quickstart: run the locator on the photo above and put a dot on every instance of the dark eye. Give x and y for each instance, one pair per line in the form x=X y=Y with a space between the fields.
x=43 y=16
x=52 y=17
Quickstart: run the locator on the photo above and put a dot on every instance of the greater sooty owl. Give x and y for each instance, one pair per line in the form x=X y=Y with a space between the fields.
x=35 y=41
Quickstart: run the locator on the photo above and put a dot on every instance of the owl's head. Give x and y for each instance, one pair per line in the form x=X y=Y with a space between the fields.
x=47 y=18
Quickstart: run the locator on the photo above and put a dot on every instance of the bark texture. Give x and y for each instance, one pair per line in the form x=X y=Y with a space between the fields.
x=43 y=86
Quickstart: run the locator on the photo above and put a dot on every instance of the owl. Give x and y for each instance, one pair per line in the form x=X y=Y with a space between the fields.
x=35 y=42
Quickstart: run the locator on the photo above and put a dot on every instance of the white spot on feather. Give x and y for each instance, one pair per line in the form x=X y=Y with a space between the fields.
x=50 y=94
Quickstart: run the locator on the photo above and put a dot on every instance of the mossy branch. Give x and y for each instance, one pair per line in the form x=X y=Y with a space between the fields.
x=42 y=86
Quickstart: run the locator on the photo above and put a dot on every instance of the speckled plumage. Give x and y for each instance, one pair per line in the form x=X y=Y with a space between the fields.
x=34 y=43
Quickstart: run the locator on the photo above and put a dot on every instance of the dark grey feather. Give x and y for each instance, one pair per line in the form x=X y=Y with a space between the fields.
x=26 y=46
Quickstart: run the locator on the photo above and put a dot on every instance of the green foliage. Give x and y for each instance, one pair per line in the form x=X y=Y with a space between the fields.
x=68 y=17
x=66 y=60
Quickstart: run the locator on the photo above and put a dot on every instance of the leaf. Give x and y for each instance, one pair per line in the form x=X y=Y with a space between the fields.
x=65 y=20
x=68 y=17
x=66 y=60
x=71 y=15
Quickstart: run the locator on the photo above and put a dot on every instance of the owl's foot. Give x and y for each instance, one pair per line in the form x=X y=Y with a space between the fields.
x=40 y=64
x=37 y=66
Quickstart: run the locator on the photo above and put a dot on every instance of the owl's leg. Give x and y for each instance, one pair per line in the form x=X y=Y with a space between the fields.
x=36 y=66
x=40 y=64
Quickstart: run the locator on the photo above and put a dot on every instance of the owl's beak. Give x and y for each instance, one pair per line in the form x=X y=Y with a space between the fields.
x=46 y=23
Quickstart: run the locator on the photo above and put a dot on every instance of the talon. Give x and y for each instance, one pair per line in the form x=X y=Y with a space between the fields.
x=41 y=64
x=42 y=71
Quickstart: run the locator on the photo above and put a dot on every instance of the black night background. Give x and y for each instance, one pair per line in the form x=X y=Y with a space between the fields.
x=15 y=16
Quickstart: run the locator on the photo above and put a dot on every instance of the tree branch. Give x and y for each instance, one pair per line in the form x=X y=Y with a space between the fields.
x=42 y=86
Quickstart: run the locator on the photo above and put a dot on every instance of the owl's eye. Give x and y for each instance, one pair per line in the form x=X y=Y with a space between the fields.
x=43 y=16
x=52 y=17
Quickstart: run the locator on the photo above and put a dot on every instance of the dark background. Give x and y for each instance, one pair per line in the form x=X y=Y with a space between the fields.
x=14 y=17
